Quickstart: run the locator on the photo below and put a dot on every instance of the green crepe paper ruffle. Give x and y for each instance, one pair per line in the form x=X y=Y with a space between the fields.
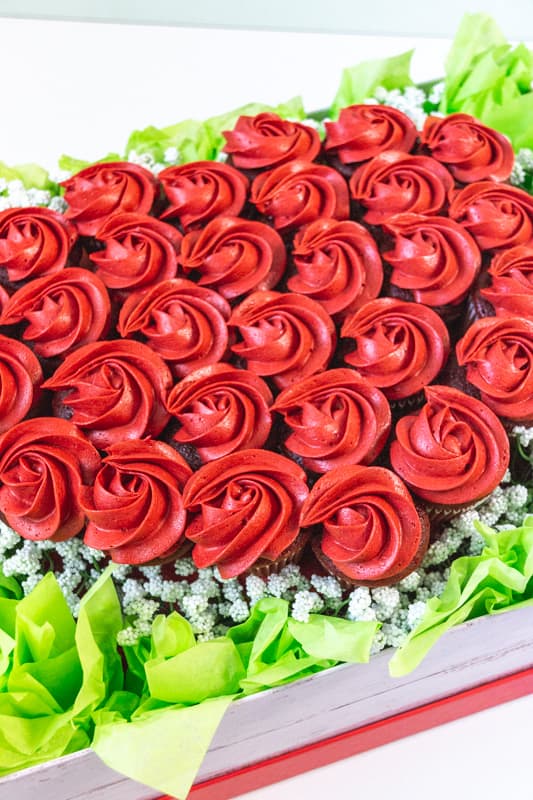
x=359 y=82
x=501 y=578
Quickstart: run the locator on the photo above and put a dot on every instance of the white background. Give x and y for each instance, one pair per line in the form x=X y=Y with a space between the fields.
x=81 y=89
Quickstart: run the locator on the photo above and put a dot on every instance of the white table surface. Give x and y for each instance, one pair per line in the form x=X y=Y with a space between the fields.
x=81 y=89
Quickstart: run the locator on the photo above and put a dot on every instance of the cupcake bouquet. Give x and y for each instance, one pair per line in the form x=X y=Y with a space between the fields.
x=285 y=375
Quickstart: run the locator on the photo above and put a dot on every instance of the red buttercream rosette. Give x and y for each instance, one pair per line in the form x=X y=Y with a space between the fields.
x=98 y=191
x=396 y=183
x=266 y=140
x=364 y=131
x=498 y=355
x=234 y=256
x=286 y=336
x=337 y=264
x=135 y=506
x=44 y=464
x=453 y=452
x=510 y=291
x=470 y=150
x=184 y=323
x=371 y=531
x=139 y=252
x=20 y=379
x=63 y=311
x=335 y=418
x=433 y=257
x=300 y=192
x=34 y=242
x=496 y=215
x=400 y=347
x=202 y=190
x=113 y=391
x=220 y=410
x=246 y=509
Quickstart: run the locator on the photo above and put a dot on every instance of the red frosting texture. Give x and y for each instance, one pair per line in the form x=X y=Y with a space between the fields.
x=364 y=131
x=184 y=323
x=63 y=311
x=337 y=264
x=266 y=140
x=220 y=410
x=34 y=242
x=371 y=531
x=433 y=257
x=235 y=256
x=496 y=215
x=454 y=451
x=470 y=150
x=44 y=463
x=287 y=336
x=498 y=355
x=399 y=347
x=139 y=252
x=335 y=419
x=511 y=288
x=114 y=390
x=299 y=192
x=20 y=379
x=98 y=191
x=246 y=507
x=135 y=507
x=202 y=190
x=396 y=183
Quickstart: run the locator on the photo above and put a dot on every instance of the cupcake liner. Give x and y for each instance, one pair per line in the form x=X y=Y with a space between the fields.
x=183 y=549
x=440 y=514
x=292 y=555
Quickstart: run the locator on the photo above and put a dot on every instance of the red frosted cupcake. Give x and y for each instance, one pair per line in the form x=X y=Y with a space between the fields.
x=452 y=453
x=265 y=141
x=334 y=419
x=400 y=347
x=246 y=511
x=509 y=289
x=34 y=242
x=371 y=532
x=495 y=214
x=20 y=381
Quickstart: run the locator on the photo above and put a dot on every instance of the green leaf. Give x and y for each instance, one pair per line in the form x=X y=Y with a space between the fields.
x=360 y=82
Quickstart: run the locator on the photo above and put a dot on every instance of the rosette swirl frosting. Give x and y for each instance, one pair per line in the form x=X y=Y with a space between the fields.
x=335 y=418
x=34 y=242
x=98 y=191
x=364 y=131
x=246 y=507
x=372 y=533
x=396 y=183
x=20 y=379
x=113 y=391
x=44 y=464
x=497 y=215
x=454 y=451
x=139 y=252
x=511 y=283
x=498 y=355
x=287 y=336
x=300 y=192
x=135 y=506
x=400 y=347
x=433 y=257
x=184 y=323
x=337 y=264
x=470 y=150
x=63 y=311
x=266 y=140
x=202 y=190
x=220 y=410
x=234 y=256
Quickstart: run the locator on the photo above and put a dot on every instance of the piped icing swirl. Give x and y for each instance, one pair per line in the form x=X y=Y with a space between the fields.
x=510 y=291
x=246 y=507
x=452 y=452
x=371 y=531
x=335 y=418
x=265 y=140
x=34 y=242
x=135 y=507
x=363 y=131
x=20 y=379
x=400 y=347
x=497 y=215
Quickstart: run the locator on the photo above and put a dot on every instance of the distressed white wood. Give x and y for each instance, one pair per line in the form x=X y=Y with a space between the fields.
x=309 y=710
